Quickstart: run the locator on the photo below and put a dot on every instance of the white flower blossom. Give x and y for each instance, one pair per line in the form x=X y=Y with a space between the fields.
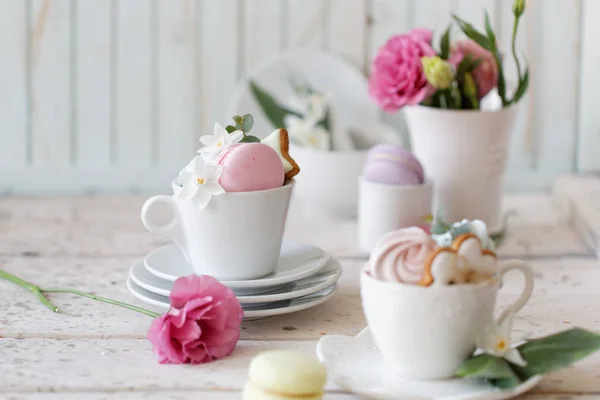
x=200 y=182
x=495 y=340
x=307 y=132
x=217 y=142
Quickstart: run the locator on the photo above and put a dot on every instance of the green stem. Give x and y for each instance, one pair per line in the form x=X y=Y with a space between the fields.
x=104 y=300
x=31 y=287
x=514 y=46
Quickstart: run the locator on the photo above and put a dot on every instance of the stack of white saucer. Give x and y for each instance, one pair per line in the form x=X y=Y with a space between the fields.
x=305 y=277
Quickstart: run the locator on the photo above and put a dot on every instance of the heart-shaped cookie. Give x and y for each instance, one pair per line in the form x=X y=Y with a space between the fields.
x=464 y=261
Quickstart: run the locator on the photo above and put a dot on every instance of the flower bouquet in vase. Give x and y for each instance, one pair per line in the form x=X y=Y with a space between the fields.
x=332 y=154
x=462 y=144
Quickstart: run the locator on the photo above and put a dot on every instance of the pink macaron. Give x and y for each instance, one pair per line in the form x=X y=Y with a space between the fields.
x=248 y=167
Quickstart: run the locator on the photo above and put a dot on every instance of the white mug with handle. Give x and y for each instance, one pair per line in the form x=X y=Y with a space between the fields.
x=238 y=236
x=428 y=332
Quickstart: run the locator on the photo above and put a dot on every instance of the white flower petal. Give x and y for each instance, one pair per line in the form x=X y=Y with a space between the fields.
x=520 y=339
x=202 y=198
x=188 y=191
x=513 y=356
x=234 y=137
x=211 y=158
x=213 y=188
x=200 y=167
x=219 y=131
x=208 y=140
x=506 y=326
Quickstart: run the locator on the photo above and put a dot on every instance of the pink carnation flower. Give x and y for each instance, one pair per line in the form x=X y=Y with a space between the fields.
x=202 y=325
x=486 y=73
x=397 y=77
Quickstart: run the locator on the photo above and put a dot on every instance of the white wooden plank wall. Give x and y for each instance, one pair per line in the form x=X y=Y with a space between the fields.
x=111 y=96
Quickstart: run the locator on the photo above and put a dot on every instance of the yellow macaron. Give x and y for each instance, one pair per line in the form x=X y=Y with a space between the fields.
x=285 y=375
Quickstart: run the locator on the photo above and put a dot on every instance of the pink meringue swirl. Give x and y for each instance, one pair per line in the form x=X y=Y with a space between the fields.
x=400 y=256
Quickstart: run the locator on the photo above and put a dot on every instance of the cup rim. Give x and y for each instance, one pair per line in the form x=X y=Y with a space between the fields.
x=288 y=186
x=387 y=186
x=492 y=283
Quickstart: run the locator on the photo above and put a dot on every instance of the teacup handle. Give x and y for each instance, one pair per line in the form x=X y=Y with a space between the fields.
x=525 y=269
x=172 y=229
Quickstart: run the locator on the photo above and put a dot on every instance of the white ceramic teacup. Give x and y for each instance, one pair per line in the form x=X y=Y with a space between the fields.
x=428 y=332
x=383 y=208
x=237 y=236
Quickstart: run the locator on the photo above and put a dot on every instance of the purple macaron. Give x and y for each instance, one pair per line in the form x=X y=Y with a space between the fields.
x=393 y=165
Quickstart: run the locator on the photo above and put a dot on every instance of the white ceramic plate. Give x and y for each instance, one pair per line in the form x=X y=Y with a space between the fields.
x=250 y=311
x=296 y=261
x=309 y=285
x=355 y=364
x=321 y=70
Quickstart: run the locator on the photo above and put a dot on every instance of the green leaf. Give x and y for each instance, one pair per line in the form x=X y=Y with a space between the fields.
x=488 y=367
x=247 y=122
x=445 y=44
x=490 y=32
x=522 y=88
x=230 y=128
x=468 y=64
x=498 y=238
x=556 y=351
x=473 y=33
x=250 y=139
x=501 y=83
x=505 y=383
x=238 y=119
x=326 y=122
x=273 y=111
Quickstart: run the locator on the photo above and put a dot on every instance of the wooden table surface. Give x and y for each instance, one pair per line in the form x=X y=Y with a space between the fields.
x=96 y=351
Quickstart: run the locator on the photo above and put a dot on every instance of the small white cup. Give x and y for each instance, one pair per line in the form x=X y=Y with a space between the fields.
x=327 y=183
x=237 y=236
x=428 y=332
x=383 y=208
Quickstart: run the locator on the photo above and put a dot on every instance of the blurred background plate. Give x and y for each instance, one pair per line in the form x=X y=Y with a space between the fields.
x=322 y=71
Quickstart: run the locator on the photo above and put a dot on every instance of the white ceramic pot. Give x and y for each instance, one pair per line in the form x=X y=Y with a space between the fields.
x=328 y=181
x=465 y=153
x=237 y=236
x=384 y=208
x=428 y=332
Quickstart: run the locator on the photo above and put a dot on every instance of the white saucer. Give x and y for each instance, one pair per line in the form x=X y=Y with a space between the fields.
x=309 y=285
x=355 y=364
x=297 y=261
x=250 y=311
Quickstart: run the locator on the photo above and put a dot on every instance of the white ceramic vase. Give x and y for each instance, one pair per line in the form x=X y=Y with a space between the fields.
x=465 y=153
x=328 y=180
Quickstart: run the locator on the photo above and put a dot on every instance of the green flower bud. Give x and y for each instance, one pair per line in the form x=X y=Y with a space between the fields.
x=439 y=73
x=518 y=8
x=469 y=87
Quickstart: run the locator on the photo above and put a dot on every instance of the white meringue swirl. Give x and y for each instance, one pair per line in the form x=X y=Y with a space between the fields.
x=400 y=256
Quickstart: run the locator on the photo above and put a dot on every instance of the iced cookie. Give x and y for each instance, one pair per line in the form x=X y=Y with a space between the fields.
x=464 y=262
x=249 y=167
x=285 y=375
x=279 y=141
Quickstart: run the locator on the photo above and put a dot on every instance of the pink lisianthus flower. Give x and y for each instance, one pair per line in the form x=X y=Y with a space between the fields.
x=397 y=76
x=486 y=73
x=203 y=323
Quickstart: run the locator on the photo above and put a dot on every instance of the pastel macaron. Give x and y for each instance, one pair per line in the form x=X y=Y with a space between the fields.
x=393 y=165
x=249 y=167
x=285 y=375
